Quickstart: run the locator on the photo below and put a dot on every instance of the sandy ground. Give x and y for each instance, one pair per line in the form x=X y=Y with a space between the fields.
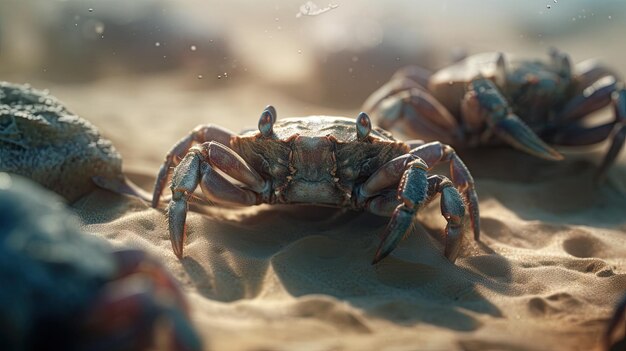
x=545 y=276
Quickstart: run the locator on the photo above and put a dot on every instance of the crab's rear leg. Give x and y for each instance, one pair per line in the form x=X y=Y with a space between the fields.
x=415 y=191
x=484 y=100
x=402 y=99
x=434 y=153
x=131 y=309
x=197 y=167
x=200 y=134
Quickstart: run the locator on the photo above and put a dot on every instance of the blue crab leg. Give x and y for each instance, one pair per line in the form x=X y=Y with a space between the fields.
x=200 y=134
x=592 y=98
x=589 y=71
x=416 y=191
x=197 y=168
x=484 y=99
x=434 y=153
x=127 y=312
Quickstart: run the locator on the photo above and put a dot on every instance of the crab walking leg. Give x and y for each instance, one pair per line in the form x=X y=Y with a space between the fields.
x=200 y=134
x=422 y=114
x=413 y=192
x=592 y=98
x=589 y=71
x=484 y=99
x=197 y=168
x=619 y=136
x=416 y=192
x=434 y=153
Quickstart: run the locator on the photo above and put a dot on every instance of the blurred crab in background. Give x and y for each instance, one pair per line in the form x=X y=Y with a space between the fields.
x=615 y=335
x=320 y=160
x=66 y=290
x=487 y=98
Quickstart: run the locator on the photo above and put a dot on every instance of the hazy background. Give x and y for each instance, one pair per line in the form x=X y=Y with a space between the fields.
x=109 y=59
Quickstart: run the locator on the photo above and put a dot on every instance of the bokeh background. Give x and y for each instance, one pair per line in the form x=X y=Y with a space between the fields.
x=192 y=61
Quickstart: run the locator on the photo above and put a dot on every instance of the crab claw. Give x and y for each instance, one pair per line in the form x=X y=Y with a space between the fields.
x=142 y=308
x=400 y=221
x=176 y=217
x=483 y=99
x=515 y=132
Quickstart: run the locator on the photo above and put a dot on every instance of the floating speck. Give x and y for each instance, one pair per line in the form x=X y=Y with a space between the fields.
x=157 y=44
x=90 y=9
x=299 y=51
x=549 y=6
x=225 y=74
x=99 y=28
x=200 y=76
x=219 y=77
x=192 y=48
x=610 y=17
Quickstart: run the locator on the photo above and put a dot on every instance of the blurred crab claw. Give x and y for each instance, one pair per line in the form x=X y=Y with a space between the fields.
x=142 y=308
x=483 y=100
x=396 y=229
x=176 y=217
x=614 y=336
x=519 y=135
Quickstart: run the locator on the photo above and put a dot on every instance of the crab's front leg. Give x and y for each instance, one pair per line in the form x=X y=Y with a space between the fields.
x=415 y=190
x=200 y=134
x=570 y=131
x=434 y=153
x=483 y=100
x=197 y=167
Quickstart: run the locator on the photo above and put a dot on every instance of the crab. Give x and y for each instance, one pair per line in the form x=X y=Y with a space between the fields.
x=614 y=338
x=67 y=290
x=488 y=98
x=320 y=160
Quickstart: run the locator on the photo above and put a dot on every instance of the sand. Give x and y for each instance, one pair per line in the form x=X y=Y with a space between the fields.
x=545 y=276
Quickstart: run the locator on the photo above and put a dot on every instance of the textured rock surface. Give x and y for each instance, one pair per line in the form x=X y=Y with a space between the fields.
x=42 y=140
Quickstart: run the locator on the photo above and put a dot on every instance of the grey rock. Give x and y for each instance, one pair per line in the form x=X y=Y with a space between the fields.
x=44 y=141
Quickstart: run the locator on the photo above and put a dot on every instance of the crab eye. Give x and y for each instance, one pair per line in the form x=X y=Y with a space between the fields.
x=272 y=111
x=266 y=123
x=363 y=126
